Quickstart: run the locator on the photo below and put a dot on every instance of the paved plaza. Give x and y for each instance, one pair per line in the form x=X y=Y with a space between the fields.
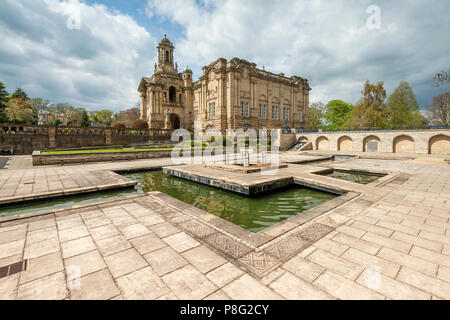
x=387 y=240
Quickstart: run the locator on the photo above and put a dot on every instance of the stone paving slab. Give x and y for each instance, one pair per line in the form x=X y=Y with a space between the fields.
x=22 y=182
x=395 y=245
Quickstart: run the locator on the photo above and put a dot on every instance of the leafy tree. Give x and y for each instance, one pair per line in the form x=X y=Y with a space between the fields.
x=439 y=108
x=19 y=110
x=402 y=107
x=105 y=116
x=57 y=122
x=3 y=101
x=75 y=114
x=316 y=115
x=337 y=114
x=370 y=111
x=18 y=94
x=84 y=120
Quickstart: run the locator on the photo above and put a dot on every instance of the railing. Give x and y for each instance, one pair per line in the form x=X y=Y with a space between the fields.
x=90 y=131
x=376 y=129
x=23 y=129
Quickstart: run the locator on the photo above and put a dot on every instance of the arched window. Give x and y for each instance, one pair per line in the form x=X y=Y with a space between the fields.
x=172 y=92
x=167 y=56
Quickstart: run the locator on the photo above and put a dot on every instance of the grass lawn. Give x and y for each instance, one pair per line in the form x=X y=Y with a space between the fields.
x=112 y=150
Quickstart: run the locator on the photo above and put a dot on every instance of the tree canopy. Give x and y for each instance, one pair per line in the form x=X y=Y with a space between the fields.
x=3 y=101
x=440 y=108
x=18 y=94
x=370 y=111
x=337 y=114
x=402 y=107
x=19 y=110
x=316 y=113
x=84 y=121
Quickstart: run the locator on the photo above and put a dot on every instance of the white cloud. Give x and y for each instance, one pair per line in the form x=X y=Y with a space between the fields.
x=100 y=64
x=327 y=42
x=97 y=65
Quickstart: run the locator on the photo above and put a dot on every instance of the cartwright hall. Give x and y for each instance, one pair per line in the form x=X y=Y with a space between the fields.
x=229 y=95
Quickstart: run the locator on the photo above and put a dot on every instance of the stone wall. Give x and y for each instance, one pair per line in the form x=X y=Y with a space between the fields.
x=386 y=141
x=23 y=139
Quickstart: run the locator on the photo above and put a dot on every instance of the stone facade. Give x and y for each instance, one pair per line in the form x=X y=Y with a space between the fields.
x=407 y=142
x=229 y=95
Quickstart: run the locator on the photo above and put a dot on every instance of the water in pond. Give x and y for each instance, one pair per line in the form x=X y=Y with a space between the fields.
x=252 y=213
x=363 y=178
x=66 y=201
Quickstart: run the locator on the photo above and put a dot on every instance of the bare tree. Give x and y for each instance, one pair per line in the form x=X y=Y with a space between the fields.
x=440 y=108
x=442 y=78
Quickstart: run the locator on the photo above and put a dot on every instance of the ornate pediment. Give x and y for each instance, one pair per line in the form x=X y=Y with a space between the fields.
x=245 y=94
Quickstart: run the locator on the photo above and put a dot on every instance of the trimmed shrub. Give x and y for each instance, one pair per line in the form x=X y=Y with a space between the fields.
x=139 y=124
x=119 y=125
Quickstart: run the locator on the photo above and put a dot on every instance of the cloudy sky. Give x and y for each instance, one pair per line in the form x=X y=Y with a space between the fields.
x=92 y=53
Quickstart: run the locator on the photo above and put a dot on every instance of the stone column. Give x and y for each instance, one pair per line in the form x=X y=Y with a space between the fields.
x=108 y=136
x=52 y=137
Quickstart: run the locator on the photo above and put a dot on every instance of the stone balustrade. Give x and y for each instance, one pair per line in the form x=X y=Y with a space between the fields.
x=24 y=139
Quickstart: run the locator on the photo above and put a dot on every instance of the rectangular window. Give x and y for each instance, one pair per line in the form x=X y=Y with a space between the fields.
x=260 y=111
x=242 y=109
x=278 y=113
x=247 y=110
x=273 y=113
x=286 y=112
x=210 y=111
x=265 y=111
x=214 y=109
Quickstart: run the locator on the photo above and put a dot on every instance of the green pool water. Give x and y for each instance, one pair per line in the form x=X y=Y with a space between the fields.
x=252 y=213
x=363 y=178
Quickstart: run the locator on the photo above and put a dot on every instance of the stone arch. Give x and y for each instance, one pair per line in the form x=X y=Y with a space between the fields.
x=262 y=98
x=403 y=144
x=174 y=121
x=172 y=94
x=439 y=144
x=275 y=100
x=322 y=143
x=302 y=139
x=345 y=143
x=372 y=144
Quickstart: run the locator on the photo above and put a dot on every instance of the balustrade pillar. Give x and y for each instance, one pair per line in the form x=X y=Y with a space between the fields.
x=52 y=137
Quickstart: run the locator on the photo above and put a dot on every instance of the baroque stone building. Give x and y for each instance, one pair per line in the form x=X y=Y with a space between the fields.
x=229 y=95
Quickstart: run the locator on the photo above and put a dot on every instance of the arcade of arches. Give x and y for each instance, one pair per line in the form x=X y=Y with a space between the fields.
x=411 y=142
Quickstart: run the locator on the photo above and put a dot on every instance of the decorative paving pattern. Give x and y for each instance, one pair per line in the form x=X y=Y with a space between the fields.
x=153 y=247
x=258 y=261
